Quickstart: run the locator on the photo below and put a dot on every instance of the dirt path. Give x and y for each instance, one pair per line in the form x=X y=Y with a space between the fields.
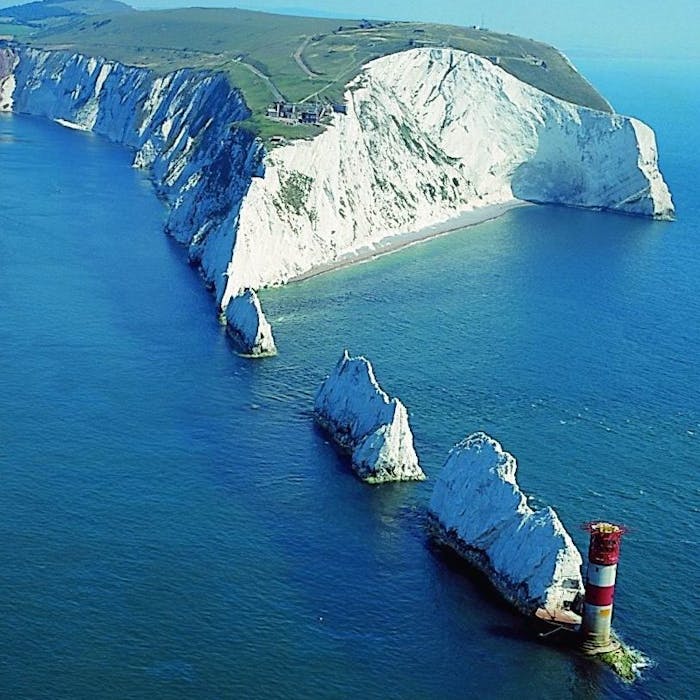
x=279 y=97
x=300 y=61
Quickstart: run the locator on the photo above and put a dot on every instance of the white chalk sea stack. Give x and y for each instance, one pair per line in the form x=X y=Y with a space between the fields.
x=362 y=419
x=478 y=509
x=247 y=325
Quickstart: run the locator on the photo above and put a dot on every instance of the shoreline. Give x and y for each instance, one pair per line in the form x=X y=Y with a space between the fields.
x=391 y=243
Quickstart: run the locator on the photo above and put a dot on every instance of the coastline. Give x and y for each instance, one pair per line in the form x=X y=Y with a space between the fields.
x=392 y=243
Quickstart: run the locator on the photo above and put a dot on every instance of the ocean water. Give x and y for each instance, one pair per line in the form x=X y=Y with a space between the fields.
x=172 y=523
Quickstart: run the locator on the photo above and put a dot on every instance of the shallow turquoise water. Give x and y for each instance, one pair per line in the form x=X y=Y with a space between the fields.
x=174 y=525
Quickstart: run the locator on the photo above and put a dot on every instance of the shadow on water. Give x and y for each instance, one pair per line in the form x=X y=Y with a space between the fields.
x=478 y=586
x=504 y=623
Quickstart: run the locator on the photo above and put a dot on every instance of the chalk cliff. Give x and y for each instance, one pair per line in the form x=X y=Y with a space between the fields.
x=478 y=509
x=363 y=420
x=182 y=127
x=8 y=63
x=429 y=134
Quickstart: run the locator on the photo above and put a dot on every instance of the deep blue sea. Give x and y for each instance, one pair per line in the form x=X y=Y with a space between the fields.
x=174 y=526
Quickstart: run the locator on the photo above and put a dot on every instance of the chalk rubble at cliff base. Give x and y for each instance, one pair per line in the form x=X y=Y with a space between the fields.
x=247 y=325
x=362 y=419
x=478 y=509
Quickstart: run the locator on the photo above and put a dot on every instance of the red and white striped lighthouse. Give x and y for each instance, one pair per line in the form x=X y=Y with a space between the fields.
x=603 y=555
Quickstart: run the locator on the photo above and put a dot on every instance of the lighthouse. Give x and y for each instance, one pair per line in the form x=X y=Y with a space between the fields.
x=603 y=555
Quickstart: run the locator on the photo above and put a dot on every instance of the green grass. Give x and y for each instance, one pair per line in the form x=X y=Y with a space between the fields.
x=268 y=129
x=239 y=42
x=18 y=32
x=257 y=93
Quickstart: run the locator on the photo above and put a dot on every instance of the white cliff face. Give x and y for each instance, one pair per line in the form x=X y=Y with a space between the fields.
x=479 y=510
x=179 y=125
x=430 y=134
x=7 y=87
x=362 y=419
x=247 y=324
x=8 y=62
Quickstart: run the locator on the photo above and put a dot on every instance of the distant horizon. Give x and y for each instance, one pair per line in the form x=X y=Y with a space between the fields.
x=642 y=29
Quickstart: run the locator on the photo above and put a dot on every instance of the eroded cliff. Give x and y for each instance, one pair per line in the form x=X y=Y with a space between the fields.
x=429 y=135
x=182 y=127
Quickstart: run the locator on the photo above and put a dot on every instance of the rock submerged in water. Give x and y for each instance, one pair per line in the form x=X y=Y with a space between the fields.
x=362 y=419
x=247 y=325
x=478 y=509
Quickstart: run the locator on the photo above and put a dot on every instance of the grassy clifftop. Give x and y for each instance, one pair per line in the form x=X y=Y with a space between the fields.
x=296 y=58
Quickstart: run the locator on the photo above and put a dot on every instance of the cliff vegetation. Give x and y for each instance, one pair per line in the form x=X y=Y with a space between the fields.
x=294 y=59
